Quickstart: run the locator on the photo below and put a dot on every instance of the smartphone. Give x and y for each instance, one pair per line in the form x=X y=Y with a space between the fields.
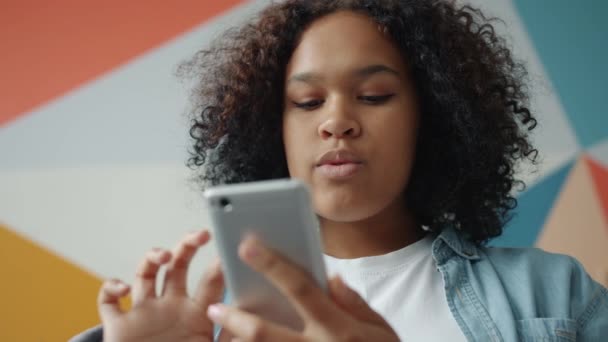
x=279 y=213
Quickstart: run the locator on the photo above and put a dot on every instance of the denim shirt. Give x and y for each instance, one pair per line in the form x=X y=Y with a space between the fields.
x=510 y=294
x=519 y=294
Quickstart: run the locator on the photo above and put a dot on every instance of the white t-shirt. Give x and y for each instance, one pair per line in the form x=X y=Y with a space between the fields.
x=406 y=288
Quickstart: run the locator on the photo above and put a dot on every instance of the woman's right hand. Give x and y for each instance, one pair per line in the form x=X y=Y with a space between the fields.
x=170 y=316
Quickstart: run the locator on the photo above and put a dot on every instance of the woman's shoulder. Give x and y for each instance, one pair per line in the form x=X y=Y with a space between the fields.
x=555 y=281
x=543 y=268
x=532 y=257
x=520 y=259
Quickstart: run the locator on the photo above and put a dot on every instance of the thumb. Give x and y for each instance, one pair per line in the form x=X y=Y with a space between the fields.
x=350 y=301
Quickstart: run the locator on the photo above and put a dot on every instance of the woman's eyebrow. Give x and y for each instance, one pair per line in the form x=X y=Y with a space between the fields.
x=311 y=77
x=375 y=69
x=306 y=77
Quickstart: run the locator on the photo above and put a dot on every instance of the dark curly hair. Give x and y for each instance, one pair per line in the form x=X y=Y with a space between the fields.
x=472 y=92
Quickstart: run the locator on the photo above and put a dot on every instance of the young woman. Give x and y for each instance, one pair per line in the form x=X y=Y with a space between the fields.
x=406 y=119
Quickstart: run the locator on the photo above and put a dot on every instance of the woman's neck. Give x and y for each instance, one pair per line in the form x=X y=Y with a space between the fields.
x=390 y=230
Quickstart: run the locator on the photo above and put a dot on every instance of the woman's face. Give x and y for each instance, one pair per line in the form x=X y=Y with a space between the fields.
x=350 y=117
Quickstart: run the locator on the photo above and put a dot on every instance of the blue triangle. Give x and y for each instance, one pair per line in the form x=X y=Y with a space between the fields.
x=533 y=207
x=575 y=58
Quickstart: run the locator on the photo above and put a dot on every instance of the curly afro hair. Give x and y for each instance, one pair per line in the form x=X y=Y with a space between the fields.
x=472 y=92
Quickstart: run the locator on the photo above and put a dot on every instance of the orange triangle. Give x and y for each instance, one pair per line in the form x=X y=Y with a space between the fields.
x=44 y=298
x=576 y=224
x=49 y=48
x=599 y=173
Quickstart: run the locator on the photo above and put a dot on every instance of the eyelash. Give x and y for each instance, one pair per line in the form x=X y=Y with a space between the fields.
x=309 y=104
x=376 y=99
x=371 y=100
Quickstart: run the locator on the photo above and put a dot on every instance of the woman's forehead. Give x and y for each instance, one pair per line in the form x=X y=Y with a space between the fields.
x=343 y=41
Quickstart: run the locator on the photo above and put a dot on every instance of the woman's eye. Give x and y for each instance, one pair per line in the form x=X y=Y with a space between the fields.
x=378 y=99
x=308 y=104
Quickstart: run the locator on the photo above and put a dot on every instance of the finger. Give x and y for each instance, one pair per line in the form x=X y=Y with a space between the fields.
x=248 y=327
x=296 y=284
x=108 y=298
x=177 y=269
x=352 y=303
x=144 y=286
x=211 y=287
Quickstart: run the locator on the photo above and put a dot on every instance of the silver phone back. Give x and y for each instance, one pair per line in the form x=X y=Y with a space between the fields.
x=279 y=213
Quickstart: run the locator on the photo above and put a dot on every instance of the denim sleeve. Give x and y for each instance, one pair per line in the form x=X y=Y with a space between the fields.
x=92 y=335
x=593 y=323
x=591 y=302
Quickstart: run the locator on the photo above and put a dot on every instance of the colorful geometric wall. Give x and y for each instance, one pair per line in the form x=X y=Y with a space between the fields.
x=93 y=140
x=566 y=209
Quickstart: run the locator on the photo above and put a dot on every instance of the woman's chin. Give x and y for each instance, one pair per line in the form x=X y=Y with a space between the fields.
x=350 y=203
x=343 y=212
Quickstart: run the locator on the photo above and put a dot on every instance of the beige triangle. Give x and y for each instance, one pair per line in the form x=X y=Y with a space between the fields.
x=576 y=225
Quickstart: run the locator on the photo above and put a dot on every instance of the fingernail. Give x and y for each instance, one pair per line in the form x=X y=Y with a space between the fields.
x=196 y=238
x=215 y=312
x=120 y=287
x=251 y=250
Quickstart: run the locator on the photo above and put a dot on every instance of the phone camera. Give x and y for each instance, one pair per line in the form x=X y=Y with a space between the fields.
x=225 y=204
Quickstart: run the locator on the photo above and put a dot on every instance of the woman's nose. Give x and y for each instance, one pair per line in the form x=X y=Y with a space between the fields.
x=339 y=125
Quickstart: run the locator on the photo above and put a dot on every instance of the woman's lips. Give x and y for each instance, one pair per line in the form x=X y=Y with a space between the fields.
x=339 y=171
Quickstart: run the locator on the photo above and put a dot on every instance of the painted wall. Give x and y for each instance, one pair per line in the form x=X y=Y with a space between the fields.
x=93 y=140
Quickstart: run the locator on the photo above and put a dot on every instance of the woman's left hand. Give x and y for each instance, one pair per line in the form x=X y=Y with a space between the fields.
x=340 y=315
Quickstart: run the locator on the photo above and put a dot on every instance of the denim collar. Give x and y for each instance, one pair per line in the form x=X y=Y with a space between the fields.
x=449 y=242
